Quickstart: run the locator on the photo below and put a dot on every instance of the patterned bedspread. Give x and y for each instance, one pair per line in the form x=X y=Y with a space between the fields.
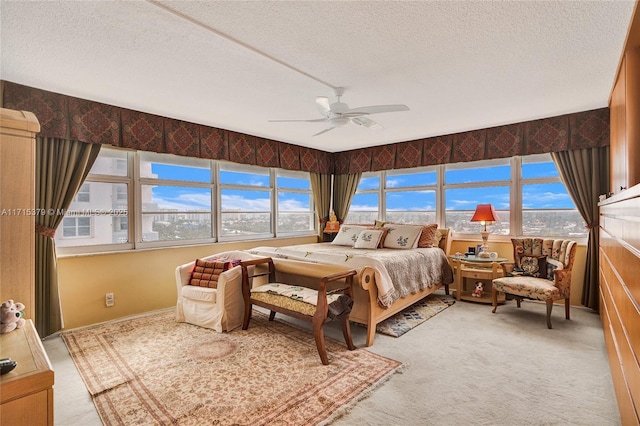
x=398 y=272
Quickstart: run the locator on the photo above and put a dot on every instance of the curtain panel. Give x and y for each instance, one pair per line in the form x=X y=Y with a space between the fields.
x=585 y=173
x=321 y=189
x=61 y=168
x=344 y=188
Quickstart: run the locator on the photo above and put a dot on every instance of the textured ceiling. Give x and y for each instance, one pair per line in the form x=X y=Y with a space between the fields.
x=236 y=65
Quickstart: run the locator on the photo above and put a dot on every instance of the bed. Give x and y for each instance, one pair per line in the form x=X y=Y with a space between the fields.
x=388 y=281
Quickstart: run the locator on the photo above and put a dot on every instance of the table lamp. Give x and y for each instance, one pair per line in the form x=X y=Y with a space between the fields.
x=484 y=213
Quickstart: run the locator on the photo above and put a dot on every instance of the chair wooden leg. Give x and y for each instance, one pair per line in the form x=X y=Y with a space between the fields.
x=272 y=315
x=247 y=315
x=566 y=308
x=549 y=308
x=494 y=298
x=318 y=334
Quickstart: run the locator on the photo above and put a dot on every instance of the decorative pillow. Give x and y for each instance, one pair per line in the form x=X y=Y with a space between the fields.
x=206 y=273
x=427 y=236
x=369 y=239
x=379 y=223
x=402 y=236
x=347 y=235
x=533 y=266
x=553 y=265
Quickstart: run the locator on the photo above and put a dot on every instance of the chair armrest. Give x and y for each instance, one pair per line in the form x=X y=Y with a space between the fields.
x=507 y=267
x=562 y=280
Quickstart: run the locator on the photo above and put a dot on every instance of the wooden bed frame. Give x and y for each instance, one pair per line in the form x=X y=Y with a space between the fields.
x=366 y=310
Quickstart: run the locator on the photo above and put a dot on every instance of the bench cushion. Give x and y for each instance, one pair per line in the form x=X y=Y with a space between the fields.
x=292 y=297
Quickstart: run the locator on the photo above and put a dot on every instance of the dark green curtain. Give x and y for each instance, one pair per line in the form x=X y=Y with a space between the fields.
x=585 y=173
x=61 y=168
x=321 y=188
x=344 y=188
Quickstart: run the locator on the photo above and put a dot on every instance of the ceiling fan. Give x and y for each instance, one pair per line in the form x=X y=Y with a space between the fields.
x=339 y=114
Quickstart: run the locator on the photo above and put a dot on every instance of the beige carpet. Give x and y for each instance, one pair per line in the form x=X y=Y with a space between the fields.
x=152 y=370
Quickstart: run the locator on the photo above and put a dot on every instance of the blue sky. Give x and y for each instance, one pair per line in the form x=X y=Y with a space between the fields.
x=541 y=196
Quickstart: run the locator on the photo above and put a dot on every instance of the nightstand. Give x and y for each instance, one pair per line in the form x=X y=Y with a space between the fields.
x=470 y=269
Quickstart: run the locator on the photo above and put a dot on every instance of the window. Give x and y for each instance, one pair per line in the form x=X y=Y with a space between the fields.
x=95 y=215
x=76 y=227
x=245 y=201
x=84 y=194
x=143 y=199
x=175 y=198
x=410 y=196
x=365 y=204
x=526 y=192
x=483 y=182
x=295 y=202
x=547 y=208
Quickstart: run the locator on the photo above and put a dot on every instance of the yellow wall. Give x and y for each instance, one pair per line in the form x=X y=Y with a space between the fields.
x=141 y=280
x=505 y=249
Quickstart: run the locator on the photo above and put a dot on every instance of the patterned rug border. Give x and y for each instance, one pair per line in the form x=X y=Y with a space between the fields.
x=409 y=318
x=337 y=353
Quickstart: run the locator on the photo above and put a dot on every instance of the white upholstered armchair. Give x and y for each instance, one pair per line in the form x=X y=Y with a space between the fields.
x=221 y=307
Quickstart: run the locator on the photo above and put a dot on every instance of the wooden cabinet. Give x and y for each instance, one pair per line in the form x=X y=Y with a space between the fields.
x=26 y=392
x=625 y=123
x=17 y=202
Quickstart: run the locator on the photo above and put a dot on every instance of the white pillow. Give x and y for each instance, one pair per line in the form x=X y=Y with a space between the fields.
x=368 y=239
x=402 y=236
x=347 y=235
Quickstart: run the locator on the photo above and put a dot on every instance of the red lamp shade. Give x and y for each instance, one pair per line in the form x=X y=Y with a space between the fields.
x=484 y=213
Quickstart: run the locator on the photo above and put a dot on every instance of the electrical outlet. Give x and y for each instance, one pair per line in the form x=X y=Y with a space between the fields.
x=109 y=300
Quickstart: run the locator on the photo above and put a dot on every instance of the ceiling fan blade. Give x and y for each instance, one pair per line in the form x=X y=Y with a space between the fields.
x=317 y=120
x=366 y=122
x=324 y=131
x=323 y=105
x=374 y=109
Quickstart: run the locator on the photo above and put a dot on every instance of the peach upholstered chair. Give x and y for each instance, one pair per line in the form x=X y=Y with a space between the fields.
x=541 y=271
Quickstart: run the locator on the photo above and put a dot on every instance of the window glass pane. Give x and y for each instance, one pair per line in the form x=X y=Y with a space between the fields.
x=411 y=206
x=538 y=166
x=547 y=209
x=170 y=167
x=294 y=212
x=364 y=209
x=461 y=204
x=411 y=179
x=112 y=162
x=236 y=174
x=287 y=180
x=478 y=174
x=368 y=182
x=174 y=226
x=167 y=198
x=245 y=212
x=92 y=222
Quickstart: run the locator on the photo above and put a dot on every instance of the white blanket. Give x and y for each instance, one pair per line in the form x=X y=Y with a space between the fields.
x=398 y=273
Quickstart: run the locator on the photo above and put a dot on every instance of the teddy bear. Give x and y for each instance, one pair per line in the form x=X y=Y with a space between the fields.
x=11 y=316
x=479 y=290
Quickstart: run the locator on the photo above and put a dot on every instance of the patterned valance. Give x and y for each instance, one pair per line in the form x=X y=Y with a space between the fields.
x=579 y=130
x=67 y=117
x=78 y=119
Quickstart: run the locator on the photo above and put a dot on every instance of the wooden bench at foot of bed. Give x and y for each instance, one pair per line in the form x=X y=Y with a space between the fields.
x=366 y=310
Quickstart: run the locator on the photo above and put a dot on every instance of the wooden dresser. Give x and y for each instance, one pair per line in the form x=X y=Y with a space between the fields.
x=26 y=392
x=620 y=296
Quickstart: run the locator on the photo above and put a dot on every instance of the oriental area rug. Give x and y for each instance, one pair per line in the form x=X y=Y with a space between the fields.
x=152 y=370
x=414 y=315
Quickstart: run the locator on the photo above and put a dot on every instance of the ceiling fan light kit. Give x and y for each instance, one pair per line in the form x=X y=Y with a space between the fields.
x=339 y=114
